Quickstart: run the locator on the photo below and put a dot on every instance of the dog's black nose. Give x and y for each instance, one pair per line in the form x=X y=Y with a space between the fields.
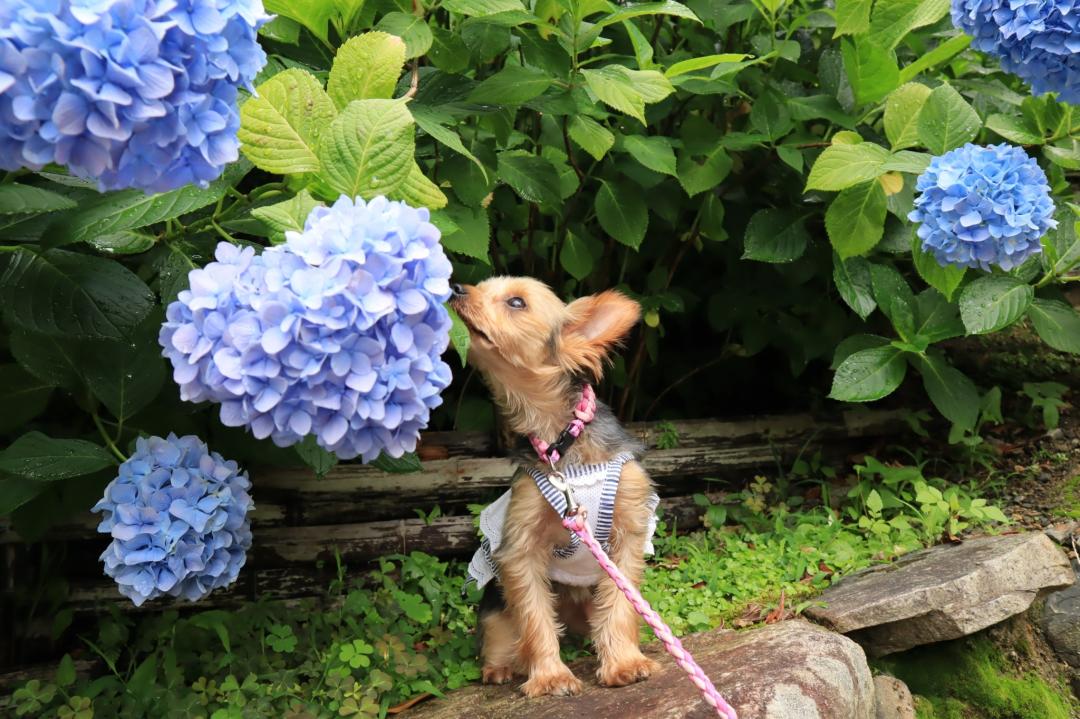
x=458 y=290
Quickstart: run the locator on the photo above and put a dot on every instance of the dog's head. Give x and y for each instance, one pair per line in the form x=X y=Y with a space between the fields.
x=518 y=327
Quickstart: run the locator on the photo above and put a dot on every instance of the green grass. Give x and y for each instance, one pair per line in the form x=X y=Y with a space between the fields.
x=1070 y=499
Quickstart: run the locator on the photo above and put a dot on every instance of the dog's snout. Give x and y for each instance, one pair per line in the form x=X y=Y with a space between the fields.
x=458 y=290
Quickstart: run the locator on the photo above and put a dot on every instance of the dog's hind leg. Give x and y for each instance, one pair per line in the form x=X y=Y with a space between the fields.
x=498 y=638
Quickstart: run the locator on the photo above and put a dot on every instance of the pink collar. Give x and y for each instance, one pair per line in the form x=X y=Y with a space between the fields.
x=584 y=412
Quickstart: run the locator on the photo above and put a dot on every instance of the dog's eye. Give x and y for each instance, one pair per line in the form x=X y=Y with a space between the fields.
x=516 y=303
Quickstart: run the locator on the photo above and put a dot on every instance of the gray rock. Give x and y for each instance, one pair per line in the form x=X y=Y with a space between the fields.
x=789 y=670
x=892 y=698
x=944 y=592
x=1061 y=624
x=1062 y=532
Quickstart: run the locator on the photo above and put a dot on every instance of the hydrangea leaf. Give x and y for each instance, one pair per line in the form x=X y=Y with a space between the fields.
x=653 y=152
x=936 y=318
x=913 y=163
x=513 y=85
x=893 y=19
x=902 y=110
x=855 y=221
x=770 y=117
x=871 y=69
x=776 y=236
x=622 y=212
x=124 y=242
x=280 y=127
x=951 y=391
x=288 y=215
x=42 y=458
x=126 y=375
x=946 y=279
x=813 y=107
x=459 y=336
x=697 y=176
x=700 y=63
x=947 y=120
x=54 y=361
x=852 y=278
x=894 y=298
x=313 y=14
x=418 y=191
x=368 y=148
x=575 y=258
x=1057 y=323
x=1066 y=153
x=992 y=303
x=869 y=374
x=533 y=178
x=938 y=56
x=850 y=345
x=405 y=464
x=852 y=17
x=627 y=90
x=590 y=136
x=22 y=395
x=314 y=456
x=668 y=7
x=410 y=28
x=480 y=8
x=30 y=200
x=842 y=165
x=366 y=67
x=16 y=491
x=1014 y=129
x=428 y=121
x=66 y=294
x=1061 y=245
x=473 y=237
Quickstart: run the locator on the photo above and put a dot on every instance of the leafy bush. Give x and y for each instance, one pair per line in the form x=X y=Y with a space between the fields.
x=746 y=170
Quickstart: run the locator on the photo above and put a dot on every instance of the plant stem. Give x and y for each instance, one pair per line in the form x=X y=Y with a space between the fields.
x=108 y=440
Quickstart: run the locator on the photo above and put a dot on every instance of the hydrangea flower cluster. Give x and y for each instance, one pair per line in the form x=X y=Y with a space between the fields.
x=983 y=205
x=178 y=516
x=130 y=93
x=1037 y=40
x=337 y=333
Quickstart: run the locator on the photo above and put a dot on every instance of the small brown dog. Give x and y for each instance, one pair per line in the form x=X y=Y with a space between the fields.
x=538 y=355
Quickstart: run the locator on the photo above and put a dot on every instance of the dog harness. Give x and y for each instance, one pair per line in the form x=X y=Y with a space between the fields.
x=594 y=487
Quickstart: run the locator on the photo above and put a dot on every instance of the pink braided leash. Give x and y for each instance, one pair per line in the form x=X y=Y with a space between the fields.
x=576 y=523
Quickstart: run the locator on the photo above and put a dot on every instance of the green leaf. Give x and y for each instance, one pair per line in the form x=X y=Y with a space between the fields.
x=287 y=216
x=871 y=69
x=902 y=109
x=852 y=17
x=627 y=90
x=22 y=395
x=622 y=212
x=852 y=278
x=368 y=148
x=533 y=178
x=405 y=464
x=869 y=375
x=894 y=298
x=419 y=191
x=698 y=176
x=126 y=375
x=366 y=67
x=18 y=199
x=412 y=29
x=653 y=152
x=314 y=456
x=939 y=55
x=132 y=209
x=770 y=117
x=776 y=236
x=855 y=221
x=55 y=361
x=1057 y=323
x=700 y=63
x=842 y=166
x=280 y=126
x=459 y=336
x=850 y=345
x=994 y=302
x=590 y=136
x=648 y=8
x=873 y=501
x=41 y=458
x=936 y=318
x=954 y=395
x=893 y=19
x=427 y=121
x=1065 y=154
x=313 y=14
x=813 y=107
x=124 y=242
x=474 y=232
x=946 y=279
x=575 y=258
x=480 y=8
x=513 y=85
x=1014 y=129
x=907 y=161
x=947 y=121
x=66 y=294
x=16 y=491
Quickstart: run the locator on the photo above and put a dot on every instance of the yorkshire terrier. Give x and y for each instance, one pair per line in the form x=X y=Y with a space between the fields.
x=539 y=357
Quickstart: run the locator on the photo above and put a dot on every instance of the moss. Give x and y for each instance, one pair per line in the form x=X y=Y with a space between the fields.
x=968 y=679
x=1070 y=499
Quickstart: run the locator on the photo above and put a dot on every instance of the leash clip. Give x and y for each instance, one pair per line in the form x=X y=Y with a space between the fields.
x=558 y=481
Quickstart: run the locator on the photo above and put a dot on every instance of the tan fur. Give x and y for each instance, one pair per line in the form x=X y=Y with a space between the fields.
x=529 y=358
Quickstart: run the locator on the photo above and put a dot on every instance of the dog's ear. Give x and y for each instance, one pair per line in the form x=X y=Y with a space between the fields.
x=594 y=326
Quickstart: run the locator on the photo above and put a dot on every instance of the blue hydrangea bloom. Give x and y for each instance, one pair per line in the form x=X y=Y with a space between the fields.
x=130 y=93
x=337 y=333
x=178 y=516
x=1037 y=40
x=980 y=206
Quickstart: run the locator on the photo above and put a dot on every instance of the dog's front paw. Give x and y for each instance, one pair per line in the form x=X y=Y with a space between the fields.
x=559 y=683
x=626 y=671
x=496 y=675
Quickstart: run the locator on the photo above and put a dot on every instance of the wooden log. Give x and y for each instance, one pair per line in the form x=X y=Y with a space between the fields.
x=353 y=493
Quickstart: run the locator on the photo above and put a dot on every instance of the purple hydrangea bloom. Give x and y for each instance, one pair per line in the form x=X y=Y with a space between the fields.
x=981 y=206
x=178 y=516
x=130 y=93
x=338 y=333
x=1037 y=40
